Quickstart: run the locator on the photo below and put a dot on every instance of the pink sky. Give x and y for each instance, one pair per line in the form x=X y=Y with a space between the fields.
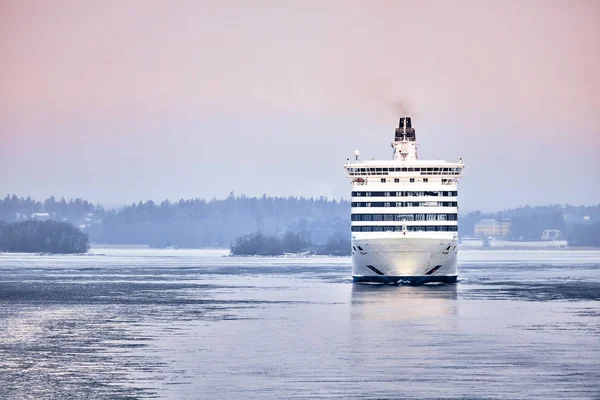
x=504 y=74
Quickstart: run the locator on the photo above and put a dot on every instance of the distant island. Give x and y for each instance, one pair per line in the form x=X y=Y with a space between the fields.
x=42 y=237
x=290 y=243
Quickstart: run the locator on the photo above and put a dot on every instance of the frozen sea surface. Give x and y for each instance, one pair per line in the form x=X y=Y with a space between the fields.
x=187 y=324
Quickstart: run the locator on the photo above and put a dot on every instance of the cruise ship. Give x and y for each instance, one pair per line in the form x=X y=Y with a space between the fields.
x=404 y=215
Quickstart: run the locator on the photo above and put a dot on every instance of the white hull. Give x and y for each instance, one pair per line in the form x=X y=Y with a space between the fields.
x=414 y=257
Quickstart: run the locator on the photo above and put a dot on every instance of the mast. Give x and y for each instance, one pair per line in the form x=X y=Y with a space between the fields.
x=405 y=141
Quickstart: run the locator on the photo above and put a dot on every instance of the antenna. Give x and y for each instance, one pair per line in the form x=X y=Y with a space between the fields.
x=356 y=153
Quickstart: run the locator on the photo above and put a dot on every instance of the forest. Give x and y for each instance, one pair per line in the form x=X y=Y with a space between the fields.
x=193 y=223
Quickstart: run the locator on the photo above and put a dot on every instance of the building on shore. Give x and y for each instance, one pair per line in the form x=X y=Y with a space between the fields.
x=551 y=234
x=492 y=228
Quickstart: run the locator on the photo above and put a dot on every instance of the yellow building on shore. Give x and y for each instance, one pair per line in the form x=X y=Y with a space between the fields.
x=493 y=228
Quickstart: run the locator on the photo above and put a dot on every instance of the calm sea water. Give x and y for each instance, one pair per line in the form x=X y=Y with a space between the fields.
x=183 y=324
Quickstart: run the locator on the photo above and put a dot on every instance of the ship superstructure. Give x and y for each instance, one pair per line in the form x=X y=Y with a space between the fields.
x=404 y=215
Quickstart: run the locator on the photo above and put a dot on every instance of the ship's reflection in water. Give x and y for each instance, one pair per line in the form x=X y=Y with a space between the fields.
x=396 y=303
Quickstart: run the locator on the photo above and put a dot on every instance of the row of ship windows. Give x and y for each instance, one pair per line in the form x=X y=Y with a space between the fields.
x=361 y=181
x=404 y=217
x=404 y=194
x=445 y=171
x=385 y=173
x=432 y=228
x=405 y=204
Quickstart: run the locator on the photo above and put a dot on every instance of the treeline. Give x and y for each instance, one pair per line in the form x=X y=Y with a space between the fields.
x=42 y=237
x=290 y=243
x=194 y=222
x=218 y=222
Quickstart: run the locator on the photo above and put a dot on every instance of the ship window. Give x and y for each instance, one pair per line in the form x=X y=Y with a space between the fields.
x=382 y=180
x=396 y=180
x=425 y=180
x=377 y=169
x=412 y=180
x=410 y=170
x=416 y=169
x=403 y=169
